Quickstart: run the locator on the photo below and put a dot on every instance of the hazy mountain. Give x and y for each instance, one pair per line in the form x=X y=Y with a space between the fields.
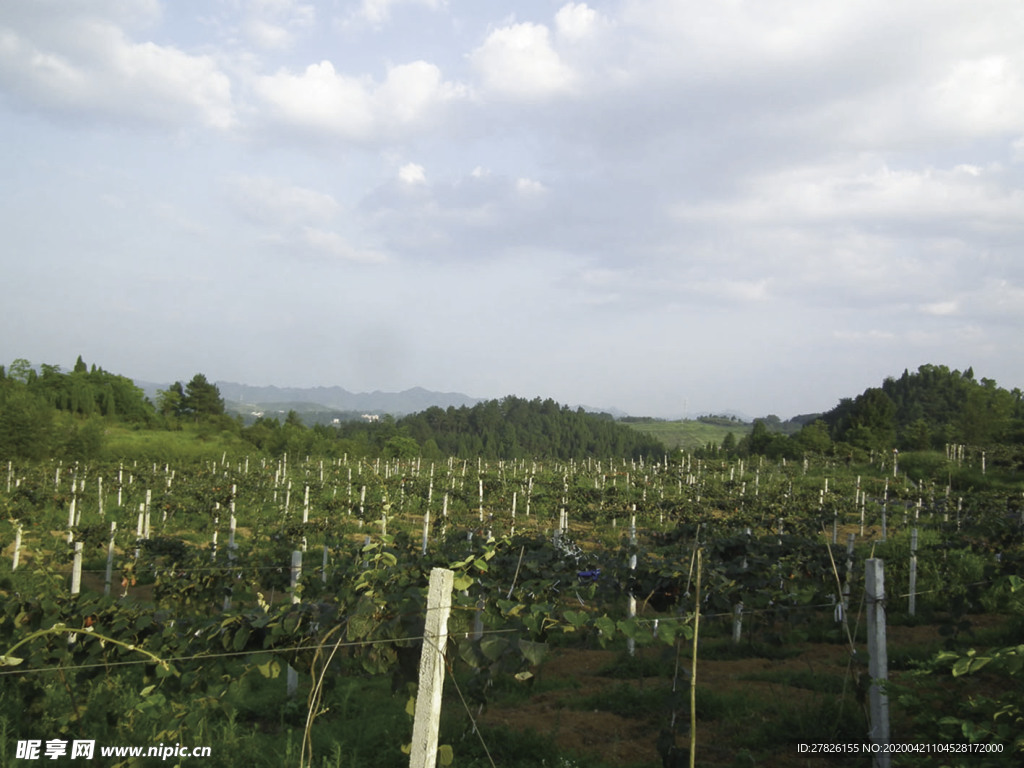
x=246 y=398
x=339 y=399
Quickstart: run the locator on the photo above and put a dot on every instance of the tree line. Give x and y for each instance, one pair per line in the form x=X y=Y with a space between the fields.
x=508 y=428
x=920 y=411
x=49 y=412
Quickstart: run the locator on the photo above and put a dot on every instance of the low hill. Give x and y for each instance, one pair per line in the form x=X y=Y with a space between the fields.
x=927 y=409
x=688 y=434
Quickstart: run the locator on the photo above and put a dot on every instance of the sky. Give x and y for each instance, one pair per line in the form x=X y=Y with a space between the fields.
x=669 y=207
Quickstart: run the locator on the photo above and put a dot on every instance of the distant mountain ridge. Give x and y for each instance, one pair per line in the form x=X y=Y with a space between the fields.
x=337 y=398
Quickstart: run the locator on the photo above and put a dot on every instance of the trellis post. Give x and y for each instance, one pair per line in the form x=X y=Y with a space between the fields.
x=76 y=570
x=296 y=575
x=110 y=559
x=17 y=549
x=912 y=607
x=423 y=750
x=878 y=663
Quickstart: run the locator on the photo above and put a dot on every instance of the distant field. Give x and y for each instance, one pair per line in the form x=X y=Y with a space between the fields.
x=688 y=434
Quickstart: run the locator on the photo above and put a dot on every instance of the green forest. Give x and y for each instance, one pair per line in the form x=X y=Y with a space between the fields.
x=87 y=412
x=927 y=410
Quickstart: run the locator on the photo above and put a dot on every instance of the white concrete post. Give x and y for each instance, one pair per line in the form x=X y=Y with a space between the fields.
x=878 y=662
x=423 y=752
x=912 y=607
x=76 y=570
x=296 y=574
x=110 y=559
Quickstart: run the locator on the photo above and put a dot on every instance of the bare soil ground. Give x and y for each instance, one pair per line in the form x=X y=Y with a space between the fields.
x=570 y=676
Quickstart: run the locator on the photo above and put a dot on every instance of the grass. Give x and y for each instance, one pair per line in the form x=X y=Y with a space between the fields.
x=640 y=665
x=654 y=699
x=727 y=650
x=807 y=679
x=781 y=721
x=688 y=433
x=184 y=445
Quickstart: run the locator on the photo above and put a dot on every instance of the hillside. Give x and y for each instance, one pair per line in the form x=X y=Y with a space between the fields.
x=929 y=410
x=88 y=412
x=688 y=434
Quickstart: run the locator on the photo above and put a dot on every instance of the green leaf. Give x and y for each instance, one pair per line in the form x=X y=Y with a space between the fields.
x=606 y=626
x=241 y=638
x=510 y=607
x=627 y=627
x=576 y=618
x=10 y=661
x=533 y=652
x=270 y=670
x=667 y=632
x=410 y=707
x=462 y=581
x=445 y=754
x=493 y=647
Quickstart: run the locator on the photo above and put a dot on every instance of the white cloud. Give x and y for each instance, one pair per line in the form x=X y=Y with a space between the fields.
x=327 y=101
x=272 y=202
x=519 y=61
x=267 y=35
x=996 y=299
x=275 y=24
x=575 y=21
x=411 y=173
x=1017 y=150
x=981 y=96
x=865 y=191
x=93 y=69
x=321 y=99
x=379 y=11
x=332 y=244
x=411 y=91
x=529 y=187
x=941 y=308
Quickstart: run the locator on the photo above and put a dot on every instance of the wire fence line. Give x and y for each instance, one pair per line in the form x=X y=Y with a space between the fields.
x=644 y=622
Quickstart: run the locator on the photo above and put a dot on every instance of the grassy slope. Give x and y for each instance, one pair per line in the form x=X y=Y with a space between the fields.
x=188 y=443
x=688 y=434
